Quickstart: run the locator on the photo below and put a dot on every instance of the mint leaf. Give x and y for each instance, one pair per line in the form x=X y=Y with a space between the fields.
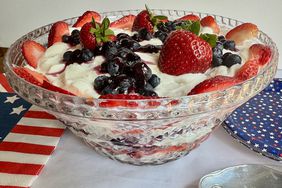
x=209 y=38
x=195 y=27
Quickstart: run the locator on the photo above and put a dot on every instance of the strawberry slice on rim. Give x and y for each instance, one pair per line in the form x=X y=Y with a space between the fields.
x=87 y=17
x=242 y=33
x=209 y=21
x=125 y=22
x=214 y=84
x=57 y=31
x=191 y=17
x=248 y=70
x=261 y=53
x=32 y=51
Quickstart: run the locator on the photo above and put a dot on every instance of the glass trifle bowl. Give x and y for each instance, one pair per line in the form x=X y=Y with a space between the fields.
x=148 y=131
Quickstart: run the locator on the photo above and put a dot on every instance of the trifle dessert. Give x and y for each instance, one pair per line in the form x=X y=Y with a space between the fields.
x=118 y=65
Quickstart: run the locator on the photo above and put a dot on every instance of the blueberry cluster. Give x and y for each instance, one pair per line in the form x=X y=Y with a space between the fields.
x=228 y=59
x=128 y=73
x=165 y=28
x=72 y=39
x=77 y=56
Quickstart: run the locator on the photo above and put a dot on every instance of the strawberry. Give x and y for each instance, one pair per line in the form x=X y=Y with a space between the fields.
x=190 y=17
x=184 y=52
x=146 y=19
x=57 y=31
x=242 y=32
x=209 y=21
x=87 y=17
x=125 y=22
x=49 y=86
x=30 y=76
x=213 y=84
x=86 y=38
x=32 y=51
x=125 y=100
x=261 y=53
x=248 y=70
x=92 y=34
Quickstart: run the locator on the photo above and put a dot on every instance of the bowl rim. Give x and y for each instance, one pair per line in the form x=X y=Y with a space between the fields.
x=7 y=65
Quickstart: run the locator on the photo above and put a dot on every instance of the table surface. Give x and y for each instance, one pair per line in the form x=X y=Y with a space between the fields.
x=74 y=164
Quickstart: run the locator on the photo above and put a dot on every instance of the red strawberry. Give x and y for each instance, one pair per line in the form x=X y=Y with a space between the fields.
x=209 y=21
x=32 y=51
x=213 y=84
x=87 y=17
x=124 y=100
x=248 y=70
x=86 y=38
x=242 y=32
x=30 y=76
x=57 y=31
x=125 y=22
x=261 y=53
x=190 y=17
x=143 y=20
x=49 y=86
x=184 y=52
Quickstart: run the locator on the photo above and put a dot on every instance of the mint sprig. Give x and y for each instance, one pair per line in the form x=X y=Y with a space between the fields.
x=101 y=32
x=195 y=27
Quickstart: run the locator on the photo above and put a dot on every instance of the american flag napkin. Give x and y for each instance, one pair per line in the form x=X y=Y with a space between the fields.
x=28 y=136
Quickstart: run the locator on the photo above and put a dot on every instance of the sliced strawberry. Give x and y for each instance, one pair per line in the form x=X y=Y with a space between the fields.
x=32 y=51
x=87 y=17
x=125 y=22
x=57 y=31
x=248 y=70
x=261 y=53
x=30 y=76
x=86 y=38
x=143 y=20
x=190 y=17
x=209 y=21
x=49 y=86
x=213 y=84
x=125 y=100
x=242 y=32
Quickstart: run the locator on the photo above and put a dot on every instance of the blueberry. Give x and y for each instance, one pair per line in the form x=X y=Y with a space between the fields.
x=219 y=45
x=141 y=71
x=221 y=38
x=66 y=38
x=100 y=83
x=149 y=48
x=110 y=50
x=137 y=37
x=132 y=58
x=217 y=52
x=130 y=44
x=86 y=55
x=161 y=35
x=154 y=80
x=76 y=56
x=149 y=93
x=122 y=36
x=98 y=50
x=148 y=86
x=104 y=67
x=216 y=61
x=229 y=45
x=170 y=25
x=75 y=40
x=75 y=32
x=67 y=56
x=108 y=90
x=122 y=52
x=145 y=34
x=115 y=66
x=162 y=27
x=231 y=59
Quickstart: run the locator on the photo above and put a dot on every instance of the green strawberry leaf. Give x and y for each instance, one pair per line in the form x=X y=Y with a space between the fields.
x=195 y=27
x=209 y=38
x=109 y=32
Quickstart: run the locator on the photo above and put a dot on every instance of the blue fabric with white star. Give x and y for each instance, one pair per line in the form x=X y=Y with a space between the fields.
x=12 y=109
x=258 y=123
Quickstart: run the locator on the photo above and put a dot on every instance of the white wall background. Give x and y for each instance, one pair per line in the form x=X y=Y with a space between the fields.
x=18 y=17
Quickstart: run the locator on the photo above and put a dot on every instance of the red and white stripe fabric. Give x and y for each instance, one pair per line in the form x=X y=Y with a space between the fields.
x=27 y=148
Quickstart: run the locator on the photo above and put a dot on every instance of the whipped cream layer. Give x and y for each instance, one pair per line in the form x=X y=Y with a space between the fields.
x=79 y=78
